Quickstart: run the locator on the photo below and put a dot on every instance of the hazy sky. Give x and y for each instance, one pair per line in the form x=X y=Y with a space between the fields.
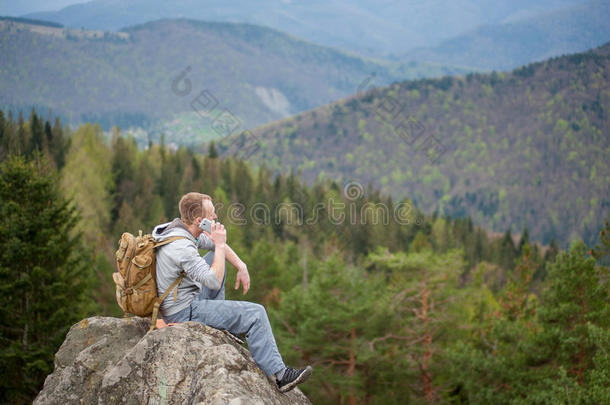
x=21 y=7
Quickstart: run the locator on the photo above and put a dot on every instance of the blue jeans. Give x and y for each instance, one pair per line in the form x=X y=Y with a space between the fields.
x=238 y=317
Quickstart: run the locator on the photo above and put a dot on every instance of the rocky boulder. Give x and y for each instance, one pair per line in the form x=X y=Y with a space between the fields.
x=112 y=360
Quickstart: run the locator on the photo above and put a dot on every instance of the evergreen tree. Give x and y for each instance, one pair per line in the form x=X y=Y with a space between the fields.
x=123 y=158
x=576 y=317
x=36 y=134
x=554 y=351
x=331 y=323
x=212 y=153
x=423 y=298
x=439 y=235
x=525 y=239
x=493 y=367
x=420 y=243
x=47 y=143
x=243 y=183
x=601 y=252
x=23 y=137
x=508 y=252
x=44 y=279
x=169 y=182
x=87 y=179
x=2 y=129
x=211 y=174
x=8 y=136
x=59 y=145
x=552 y=251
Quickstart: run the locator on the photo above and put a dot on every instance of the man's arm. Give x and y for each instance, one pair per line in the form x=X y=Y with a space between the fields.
x=232 y=257
x=242 y=270
x=204 y=242
x=219 y=238
x=218 y=264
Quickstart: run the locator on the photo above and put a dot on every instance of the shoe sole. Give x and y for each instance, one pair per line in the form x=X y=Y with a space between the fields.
x=301 y=378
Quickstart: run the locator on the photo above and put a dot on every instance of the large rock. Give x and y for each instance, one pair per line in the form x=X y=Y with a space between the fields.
x=112 y=360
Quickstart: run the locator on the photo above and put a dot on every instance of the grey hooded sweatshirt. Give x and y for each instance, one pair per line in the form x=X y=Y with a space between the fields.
x=182 y=255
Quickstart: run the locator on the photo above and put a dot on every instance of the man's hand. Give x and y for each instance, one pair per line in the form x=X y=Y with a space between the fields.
x=243 y=277
x=219 y=234
x=219 y=237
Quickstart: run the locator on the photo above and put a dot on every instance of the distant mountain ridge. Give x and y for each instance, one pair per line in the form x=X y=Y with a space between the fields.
x=522 y=41
x=30 y=21
x=527 y=148
x=370 y=27
x=242 y=73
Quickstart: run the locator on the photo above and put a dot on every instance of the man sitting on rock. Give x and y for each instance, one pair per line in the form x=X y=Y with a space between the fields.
x=200 y=295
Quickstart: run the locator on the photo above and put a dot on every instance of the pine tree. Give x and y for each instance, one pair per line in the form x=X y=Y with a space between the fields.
x=508 y=251
x=525 y=239
x=123 y=158
x=439 y=235
x=211 y=174
x=169 y=183
x=36 y=134
x=9 y=141
x=87 y=179
x=44 y=279
x=243 y=183
x=576 y=317
x=422 y=296
x=420 y=243
x=3 y=136
x=212 y=153
x=493 y=366
x=23 y=138
x=47 y=142
x=551 y=351
x=2 y=127
x=552 y=251
x=601 y=252
x=59 y=146
x=331 y=324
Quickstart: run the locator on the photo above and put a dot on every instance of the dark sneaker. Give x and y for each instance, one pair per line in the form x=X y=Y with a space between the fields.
x=293 y=377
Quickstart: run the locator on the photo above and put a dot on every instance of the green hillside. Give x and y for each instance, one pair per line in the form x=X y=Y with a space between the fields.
x=527 y=148
x=250 y=74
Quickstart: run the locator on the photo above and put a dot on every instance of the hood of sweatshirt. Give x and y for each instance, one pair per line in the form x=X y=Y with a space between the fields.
x=173 y=228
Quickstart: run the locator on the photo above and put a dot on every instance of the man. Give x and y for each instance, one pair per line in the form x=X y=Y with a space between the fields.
x=200 y=295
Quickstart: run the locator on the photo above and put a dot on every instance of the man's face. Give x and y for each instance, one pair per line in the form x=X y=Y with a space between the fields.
x=210 y=210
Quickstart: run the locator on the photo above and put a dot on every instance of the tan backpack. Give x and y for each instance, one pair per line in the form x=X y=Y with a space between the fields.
x=136 y=286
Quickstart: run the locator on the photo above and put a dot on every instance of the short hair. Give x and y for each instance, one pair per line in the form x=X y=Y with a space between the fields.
x=191 y=206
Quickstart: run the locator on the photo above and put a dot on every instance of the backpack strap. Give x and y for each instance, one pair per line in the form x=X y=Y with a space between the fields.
x=169 y=240
x=160 y=299
x=134 y=289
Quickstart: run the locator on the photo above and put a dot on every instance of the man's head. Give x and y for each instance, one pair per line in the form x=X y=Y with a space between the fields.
x=196 y=206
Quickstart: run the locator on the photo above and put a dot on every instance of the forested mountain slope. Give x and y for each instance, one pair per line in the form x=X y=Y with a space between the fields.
x=417 y=309
x=250 y=74
x=526 y=148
